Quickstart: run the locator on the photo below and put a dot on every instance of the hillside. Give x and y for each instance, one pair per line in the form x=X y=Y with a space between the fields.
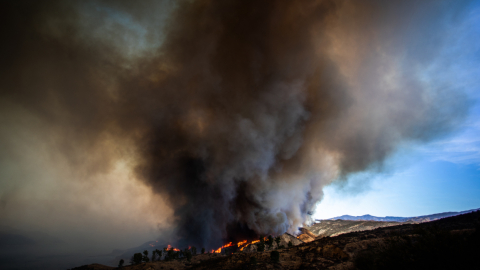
x=332 y=228
x=449 y=243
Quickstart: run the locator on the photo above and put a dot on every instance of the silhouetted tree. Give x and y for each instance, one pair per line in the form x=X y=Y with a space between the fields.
x=262 y=239
x=278 y=239
x=290 y=244
x=194 y=250
x=120 y=263
x=270 y=241
x=203 y=250
x=136 y=259
x=159 y=253
x=145 y=256
x=171 y=255
x=153 y=255
x=188 y=255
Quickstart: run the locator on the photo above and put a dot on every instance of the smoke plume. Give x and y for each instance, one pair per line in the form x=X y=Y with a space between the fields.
x=234 y=113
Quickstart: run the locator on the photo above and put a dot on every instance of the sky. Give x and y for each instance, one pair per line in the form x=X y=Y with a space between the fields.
x=440 y=176
x=197 y=122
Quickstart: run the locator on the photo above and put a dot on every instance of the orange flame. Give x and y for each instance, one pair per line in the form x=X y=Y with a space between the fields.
x=241 y=243
x=169 y=247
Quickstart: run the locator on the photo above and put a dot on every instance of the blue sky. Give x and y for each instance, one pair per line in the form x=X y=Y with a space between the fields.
x=441 y=176
x=420 y=179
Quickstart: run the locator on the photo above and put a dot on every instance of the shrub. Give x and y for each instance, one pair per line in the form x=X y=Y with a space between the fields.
x=145 y=256
x=253 y=260
x=269 y=241
x=277 y=239
x=154 y=253
x=260 y=246
x=275 y=256
x=290 y=244
x=137 y=258
x=262 y=239
x=188 y=255
x=120 y=263
x=159 y=253
x=170 y=255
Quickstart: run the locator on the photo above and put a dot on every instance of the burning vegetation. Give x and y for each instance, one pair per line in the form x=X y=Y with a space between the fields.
x=170 y=253
x=449 y=243
x=243 y=112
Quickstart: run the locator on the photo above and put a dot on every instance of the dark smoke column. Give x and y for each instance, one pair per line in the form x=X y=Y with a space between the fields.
x=244 y=112
x=254 y=114
x=235 y=101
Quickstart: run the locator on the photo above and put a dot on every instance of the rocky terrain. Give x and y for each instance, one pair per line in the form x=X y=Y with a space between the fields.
x=449 y=243
x=331 y=228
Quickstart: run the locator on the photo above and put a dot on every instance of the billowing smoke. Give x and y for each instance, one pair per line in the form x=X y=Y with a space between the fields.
x=236 y=113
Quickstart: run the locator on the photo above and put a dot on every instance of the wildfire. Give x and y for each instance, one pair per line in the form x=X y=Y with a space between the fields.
x=241 y=243
x=174 y=249
x=246 y=244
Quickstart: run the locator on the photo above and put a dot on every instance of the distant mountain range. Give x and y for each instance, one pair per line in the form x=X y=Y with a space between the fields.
x=403 y=219
x=13 y=238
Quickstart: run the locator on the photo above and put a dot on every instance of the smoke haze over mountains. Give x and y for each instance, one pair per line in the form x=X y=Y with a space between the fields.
x=201 y=122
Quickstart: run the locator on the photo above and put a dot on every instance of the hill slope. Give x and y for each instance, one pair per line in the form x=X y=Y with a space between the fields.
x=449 y=243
